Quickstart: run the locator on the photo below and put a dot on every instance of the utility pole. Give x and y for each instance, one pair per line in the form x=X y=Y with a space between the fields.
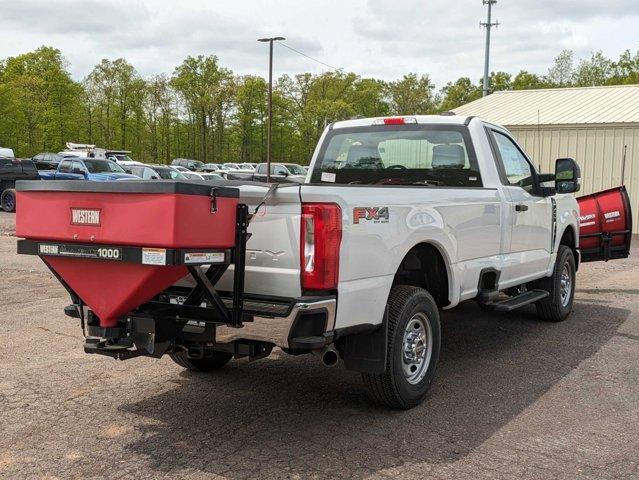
x=488 y=26
x=270 y=103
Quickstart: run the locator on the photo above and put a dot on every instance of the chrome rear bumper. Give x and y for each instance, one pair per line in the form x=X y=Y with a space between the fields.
x=277 y=329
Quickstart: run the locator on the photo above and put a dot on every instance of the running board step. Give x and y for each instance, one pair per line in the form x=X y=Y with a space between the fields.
x=526 y=298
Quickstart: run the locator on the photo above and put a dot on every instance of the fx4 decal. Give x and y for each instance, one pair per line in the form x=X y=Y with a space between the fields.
x=374 y=214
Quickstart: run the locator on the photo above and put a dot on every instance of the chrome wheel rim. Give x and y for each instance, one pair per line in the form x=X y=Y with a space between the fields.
x=417 y=348
x=565 y=286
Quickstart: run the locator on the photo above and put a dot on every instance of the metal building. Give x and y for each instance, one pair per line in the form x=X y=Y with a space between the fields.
x=597 y=126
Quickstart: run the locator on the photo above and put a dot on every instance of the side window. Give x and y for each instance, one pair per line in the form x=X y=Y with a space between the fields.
x=65 y=166
x=78 y=165
x=279 y=170
x=261 y=169
x=517 y=168
x=149 y=174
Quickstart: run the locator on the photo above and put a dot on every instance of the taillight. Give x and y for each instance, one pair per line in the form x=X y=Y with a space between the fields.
x=320 y=242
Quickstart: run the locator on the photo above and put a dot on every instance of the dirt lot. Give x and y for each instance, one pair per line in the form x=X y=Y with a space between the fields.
x=513 y=398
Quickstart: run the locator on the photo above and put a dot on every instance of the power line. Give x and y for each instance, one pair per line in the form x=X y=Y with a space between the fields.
x=309 y=57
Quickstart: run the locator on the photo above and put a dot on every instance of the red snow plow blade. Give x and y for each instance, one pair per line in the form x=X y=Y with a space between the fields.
x=116 y=245
x=605 y=225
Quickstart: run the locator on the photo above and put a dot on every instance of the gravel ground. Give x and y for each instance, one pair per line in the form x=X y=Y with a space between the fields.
x=513 y=398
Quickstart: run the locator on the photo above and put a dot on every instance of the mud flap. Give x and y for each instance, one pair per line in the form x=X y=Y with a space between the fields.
x=366 y=351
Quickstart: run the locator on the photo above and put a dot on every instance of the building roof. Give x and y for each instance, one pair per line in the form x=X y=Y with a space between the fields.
x=558 y=106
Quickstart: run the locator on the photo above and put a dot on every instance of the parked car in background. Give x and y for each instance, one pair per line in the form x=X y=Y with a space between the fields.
x=47 y=160
x=119 y=156
x=192 y=175
x=162 y=172
x=92 y=169
x=211 y=176
x=215 y=168
x=210 y=167
x=192 y=165
x=248 y=166
x=239 y=167
x=280 y=173
x=12 y=169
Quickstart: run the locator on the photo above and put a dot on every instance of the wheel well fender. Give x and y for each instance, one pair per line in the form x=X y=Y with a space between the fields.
x=569 y=239
x=425 y=266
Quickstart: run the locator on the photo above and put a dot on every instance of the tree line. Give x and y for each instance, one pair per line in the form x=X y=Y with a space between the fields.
x=205 y=111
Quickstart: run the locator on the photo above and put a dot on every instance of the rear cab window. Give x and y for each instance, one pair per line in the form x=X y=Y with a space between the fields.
x=428 y=155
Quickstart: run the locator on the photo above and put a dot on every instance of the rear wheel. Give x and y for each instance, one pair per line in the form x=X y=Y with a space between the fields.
x=414 y=338
x=561 y=286
x=208 y=364
x=8 y=200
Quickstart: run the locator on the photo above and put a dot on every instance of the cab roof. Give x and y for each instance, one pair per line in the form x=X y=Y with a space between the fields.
x=444 y=119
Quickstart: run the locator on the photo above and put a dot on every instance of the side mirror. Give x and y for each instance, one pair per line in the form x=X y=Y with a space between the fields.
x=567 y=176
x=129 y=171
x=78 y=171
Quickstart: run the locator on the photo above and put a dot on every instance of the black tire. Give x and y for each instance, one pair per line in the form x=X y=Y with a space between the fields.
x=556 y=307
x=208 y=364
x=392 y=388
x=8 y=200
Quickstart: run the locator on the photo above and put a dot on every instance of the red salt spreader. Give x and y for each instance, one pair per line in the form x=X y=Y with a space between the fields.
x=117 y=246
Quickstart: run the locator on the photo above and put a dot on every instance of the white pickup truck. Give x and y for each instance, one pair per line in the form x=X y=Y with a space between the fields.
x=398 y=218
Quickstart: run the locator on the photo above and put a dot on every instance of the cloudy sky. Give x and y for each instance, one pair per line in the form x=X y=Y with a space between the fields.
x=377 y=38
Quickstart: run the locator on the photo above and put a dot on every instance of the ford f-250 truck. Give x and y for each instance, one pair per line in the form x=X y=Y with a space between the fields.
x=399 y=218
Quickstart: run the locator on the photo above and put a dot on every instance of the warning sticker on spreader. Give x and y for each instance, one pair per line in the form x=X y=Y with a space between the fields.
x=203 y=257
x=154 y=256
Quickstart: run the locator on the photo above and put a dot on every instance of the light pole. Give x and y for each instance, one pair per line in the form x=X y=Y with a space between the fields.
x=488 y=24
x=270 y=102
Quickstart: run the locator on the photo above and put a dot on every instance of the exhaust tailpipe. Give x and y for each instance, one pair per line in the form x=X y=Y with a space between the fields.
x=328 y=356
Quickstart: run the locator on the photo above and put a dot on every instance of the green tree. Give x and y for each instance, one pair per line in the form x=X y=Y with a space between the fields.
x=458 y=93
x=39 y=101
x=562 y=71
x=498 y=81
x=595 y=71
x=250 y=116
x=626 y=69
x=412 y=95
x=527 y=81
x=207 y=91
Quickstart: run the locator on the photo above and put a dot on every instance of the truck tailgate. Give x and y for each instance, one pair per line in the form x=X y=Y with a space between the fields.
x=273 y=249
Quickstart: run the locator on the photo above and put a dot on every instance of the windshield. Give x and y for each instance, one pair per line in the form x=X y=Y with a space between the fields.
x=95 y=165
x=430 y=155
x=295 y=169
x=168 y=173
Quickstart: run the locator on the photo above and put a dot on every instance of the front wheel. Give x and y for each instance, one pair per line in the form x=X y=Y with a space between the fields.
x=413 y=345
x=561 y=285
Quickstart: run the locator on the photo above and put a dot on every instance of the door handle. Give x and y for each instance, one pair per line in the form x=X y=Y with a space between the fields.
x=520 y=207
